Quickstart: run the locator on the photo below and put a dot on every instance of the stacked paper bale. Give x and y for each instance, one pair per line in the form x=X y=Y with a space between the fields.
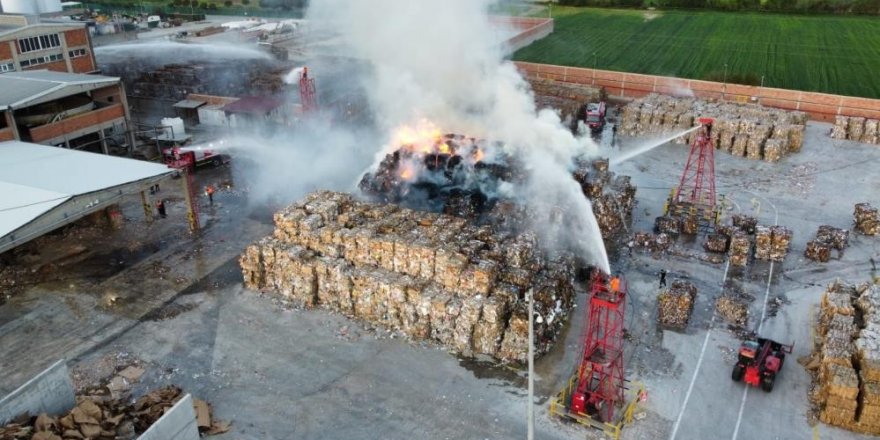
x=744 y=223
x=867 y=219
x=667 y=224
x=856 y=129
x=781 y=241
x=746 y=130
x=848 y=354
x=732 y=309
x=654 y=243
x=566 y=97
x=612 y=196
x=717 y=243
x=429 y=275
x=740 y=248
x=763 y=239
x=827 y=238
x=675 y=304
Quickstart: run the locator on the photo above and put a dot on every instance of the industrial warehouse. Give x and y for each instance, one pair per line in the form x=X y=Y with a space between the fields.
x=240 y=227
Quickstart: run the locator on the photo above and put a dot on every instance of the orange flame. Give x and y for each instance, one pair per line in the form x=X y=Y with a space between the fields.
x=478 y=154
x=418 y=139
x=444 y=148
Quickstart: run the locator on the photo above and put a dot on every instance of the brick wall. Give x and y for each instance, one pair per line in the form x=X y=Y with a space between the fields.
x=83 y=64
x=820 y=106
x=5 y=50
x=57 y=66
x=75 y=123
x=77 y=37
x=108 y=95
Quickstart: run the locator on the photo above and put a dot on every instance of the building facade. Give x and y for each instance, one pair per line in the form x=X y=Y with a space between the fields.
x=59 y=47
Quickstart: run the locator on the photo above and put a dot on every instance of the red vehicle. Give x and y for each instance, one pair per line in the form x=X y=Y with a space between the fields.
x=595 y=116
x=193 y=156
x=759 y=361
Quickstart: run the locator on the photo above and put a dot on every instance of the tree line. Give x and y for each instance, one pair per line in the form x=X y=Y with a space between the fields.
x=871 y=7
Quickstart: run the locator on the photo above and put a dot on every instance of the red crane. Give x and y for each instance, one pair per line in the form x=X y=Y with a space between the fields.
x=600 y=379
x=307 y=95
x=695 y=193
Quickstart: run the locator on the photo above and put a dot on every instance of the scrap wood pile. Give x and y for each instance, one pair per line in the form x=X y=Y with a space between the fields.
x=846 y=358
x=97 y=415
x=745 y=130
x=866 y=219
x=567 y=97
x=827 y=238
x=857 y=129
x=675 y=304
x=772 y=243
x=429 y=275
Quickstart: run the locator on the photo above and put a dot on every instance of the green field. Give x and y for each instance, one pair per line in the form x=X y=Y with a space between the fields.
x=839 y=55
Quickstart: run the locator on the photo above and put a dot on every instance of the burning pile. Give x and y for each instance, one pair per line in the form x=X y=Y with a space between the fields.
x=846 y=361
x=428 y=275
x=741 y=129
x=674 y=305
x=856 y=129
x=827 y=238
x=867 y=219
x=473 y=179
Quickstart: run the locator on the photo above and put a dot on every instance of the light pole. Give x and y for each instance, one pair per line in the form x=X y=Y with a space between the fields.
x=725 y=73
x=530 y=434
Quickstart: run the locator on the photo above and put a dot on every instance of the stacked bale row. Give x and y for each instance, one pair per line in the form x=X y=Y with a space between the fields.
x=612 y=196
x=745 y=130
x=772 y=243
x=827 y=238
x=431 y=276
x=866 y=219
x=675 y=304
x=856 y=129
x=848 y=357
x=566 y=97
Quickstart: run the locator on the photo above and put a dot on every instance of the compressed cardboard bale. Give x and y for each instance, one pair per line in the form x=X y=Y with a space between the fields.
x=515 y=343
x=690 y=224
x=744 y=223
x=870 y=136
x=717 y=243
x=796 y=138
x=733 y=310
x=755 y=147
x=839 y=380
x=780 y=243
x=842 y=403
x=818 y=251
x=840 y=129
x=763 y=239
x=675 y=304
x=869 y=392
x=667 y=224
x=867 y=219
x=856 y=128
x=774 y=150
x=469 y=315
x=740 y=248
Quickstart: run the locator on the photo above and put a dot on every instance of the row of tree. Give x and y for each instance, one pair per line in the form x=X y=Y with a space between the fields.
x=801 y=6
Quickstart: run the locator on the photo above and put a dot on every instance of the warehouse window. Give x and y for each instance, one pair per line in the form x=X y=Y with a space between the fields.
x=42 y=60
x=31 y=44
x=76 y=53
x=8 y=67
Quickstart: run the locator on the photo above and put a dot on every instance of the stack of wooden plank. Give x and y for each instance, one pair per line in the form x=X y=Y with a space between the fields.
x=428 y=275
x=747 y=130
x=867 y=219
x=675 y=304
x=848 y=355
x=856 y=129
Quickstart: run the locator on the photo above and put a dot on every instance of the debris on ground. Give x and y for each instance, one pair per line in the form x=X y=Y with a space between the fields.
x=675 y=304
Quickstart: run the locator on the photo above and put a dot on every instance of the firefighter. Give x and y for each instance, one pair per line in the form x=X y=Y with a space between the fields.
x=662 y=277
x=209 y=191
x=160 y=206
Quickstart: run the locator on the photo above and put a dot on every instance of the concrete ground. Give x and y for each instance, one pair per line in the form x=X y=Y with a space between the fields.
x=278 y=372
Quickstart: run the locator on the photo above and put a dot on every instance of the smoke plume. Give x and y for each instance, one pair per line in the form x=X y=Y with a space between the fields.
x=444 y=61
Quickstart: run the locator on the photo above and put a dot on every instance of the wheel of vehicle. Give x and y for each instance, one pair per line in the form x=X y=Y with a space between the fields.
x=737 y=373
x=767 y=384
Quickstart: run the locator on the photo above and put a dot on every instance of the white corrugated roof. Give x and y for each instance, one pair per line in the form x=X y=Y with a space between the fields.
x=36 y=178
x=31 y=87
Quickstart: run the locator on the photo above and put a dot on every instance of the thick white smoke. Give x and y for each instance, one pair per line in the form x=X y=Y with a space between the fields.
x=443 y=60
